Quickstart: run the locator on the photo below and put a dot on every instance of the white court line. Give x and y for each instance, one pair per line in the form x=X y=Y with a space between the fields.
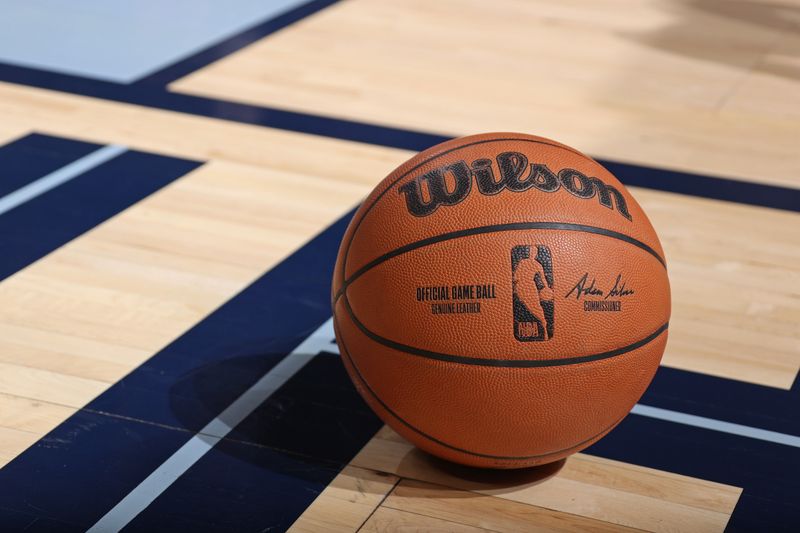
x=191 y=452
x=60 y=176
x=716 y=425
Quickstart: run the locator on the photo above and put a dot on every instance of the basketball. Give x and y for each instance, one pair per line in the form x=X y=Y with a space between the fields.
x=501 y=300
x=259 y=273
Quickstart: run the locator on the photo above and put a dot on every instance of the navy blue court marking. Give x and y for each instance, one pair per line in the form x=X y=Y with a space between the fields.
x=717 y=188
x=160 y=98
x=274 y=464
x=152 y=92
x=729 y=190
x=33 y=156
x=39 y=226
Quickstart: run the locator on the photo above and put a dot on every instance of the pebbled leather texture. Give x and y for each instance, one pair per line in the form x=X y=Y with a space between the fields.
x=501 y=300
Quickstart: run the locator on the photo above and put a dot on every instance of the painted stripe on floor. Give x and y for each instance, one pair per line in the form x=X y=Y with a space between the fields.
x=716 y=425
x=748 y=404
x=191 y=452
x=59 y=177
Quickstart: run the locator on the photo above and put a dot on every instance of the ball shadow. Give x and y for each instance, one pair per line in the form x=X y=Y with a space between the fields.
x=308 y=428
x=422 y=466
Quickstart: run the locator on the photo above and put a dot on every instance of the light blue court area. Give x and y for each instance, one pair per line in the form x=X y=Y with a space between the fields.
x=122 y=40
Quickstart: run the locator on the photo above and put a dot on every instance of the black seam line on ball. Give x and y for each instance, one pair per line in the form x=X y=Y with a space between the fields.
x=389 y=410
x=505 y=363
x=432 y=158
x=496 y=228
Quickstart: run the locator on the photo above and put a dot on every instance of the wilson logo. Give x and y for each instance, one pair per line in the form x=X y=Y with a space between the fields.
x=450 y=184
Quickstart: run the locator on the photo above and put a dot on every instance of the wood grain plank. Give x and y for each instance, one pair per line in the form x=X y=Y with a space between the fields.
x=735 y=277
x=387 y=520
x=602 y=490
x=193 y=137
x=346 y=503
x=771 y=87
x=496 y=514
x=31 y=416
x=48 y=386
x=65 y=354
x=653 y=483
x=91 y=311
x=648 y=82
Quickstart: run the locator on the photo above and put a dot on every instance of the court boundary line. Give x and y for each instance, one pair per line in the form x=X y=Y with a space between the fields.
x=716 y=425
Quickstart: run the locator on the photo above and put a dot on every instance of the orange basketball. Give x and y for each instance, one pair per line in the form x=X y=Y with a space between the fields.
x=501 y=300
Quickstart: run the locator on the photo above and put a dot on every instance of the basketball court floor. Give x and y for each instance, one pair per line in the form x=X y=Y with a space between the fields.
x=175 y=178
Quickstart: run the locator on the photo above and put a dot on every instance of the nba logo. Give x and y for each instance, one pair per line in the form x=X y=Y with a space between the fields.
x=532 y=282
